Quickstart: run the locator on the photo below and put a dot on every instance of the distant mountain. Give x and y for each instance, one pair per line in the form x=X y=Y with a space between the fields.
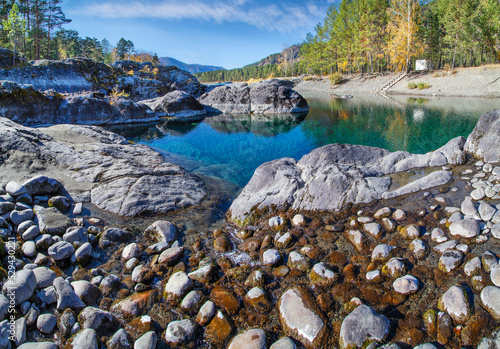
x=192 y=68
x=293 y=53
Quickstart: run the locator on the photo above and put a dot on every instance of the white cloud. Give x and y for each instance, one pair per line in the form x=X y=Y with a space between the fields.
x=283 y=18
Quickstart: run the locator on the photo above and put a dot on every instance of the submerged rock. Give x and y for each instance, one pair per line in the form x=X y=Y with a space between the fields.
x=300 y=319
x=363 y=326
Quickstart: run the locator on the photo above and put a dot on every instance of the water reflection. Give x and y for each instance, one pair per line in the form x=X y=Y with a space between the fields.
x=260 y=125
x=231 y=147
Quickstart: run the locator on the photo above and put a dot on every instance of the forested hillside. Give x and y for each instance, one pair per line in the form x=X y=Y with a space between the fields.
x=34 y=28
x=375 y=35
x=285 y=63
x=364 y=36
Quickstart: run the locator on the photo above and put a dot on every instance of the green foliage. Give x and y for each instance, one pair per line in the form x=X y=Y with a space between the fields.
x=336 y=78
x=412 y=85
x=124 y=48
x=15 y=26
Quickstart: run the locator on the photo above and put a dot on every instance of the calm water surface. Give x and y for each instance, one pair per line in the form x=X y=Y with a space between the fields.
x=231 y=147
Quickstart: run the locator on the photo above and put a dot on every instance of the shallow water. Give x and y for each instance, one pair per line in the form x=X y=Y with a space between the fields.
x=231 y=147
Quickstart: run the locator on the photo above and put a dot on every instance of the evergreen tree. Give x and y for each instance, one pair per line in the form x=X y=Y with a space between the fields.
x=15 y=26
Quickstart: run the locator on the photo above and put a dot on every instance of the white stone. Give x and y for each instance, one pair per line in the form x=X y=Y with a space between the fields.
x=445 y=246
x=270 y=257
x=382 y=252
x=250 y=339
x=467 y=228
x=455 y=303
x=276 y=221
x=382 y=213
x=495 y=275
x=131 y=251
x=490 y=297
x=178 y=285
x=437 y=235
x=394 y=267
x=486 y=211
x=399 y=215
x=361 y=325
x=372 y=275
x=463 y=248
x=373 y=229
x=478 y=194
x=473 y=267
x=450 y=260
x=298 y=220
x=407 y=284
x=468 y=207
x=298 y=315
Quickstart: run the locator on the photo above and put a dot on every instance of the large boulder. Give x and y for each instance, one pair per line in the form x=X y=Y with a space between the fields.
x=265 y=97
x=483 y=142
x=330 y=177
x=28 y=106
x=98 y=166
x=178 y=105
x=69 y=75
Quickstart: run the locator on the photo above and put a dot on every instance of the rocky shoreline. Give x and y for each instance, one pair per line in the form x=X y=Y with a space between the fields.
x=351 y=246
x=479 y=82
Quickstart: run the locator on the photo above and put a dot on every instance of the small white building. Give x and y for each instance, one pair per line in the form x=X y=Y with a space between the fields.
x=423 y=64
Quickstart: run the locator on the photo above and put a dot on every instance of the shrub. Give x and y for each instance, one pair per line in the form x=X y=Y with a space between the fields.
x=309 y=78
x=423 y=85
x=115 y=94
x=336 y=78
x=412 y=85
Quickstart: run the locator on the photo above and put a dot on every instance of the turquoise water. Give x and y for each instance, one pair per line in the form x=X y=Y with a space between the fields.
x=231 y=147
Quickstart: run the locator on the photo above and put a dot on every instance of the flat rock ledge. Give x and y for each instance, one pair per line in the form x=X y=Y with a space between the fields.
x=330 y=177
x=98 y=166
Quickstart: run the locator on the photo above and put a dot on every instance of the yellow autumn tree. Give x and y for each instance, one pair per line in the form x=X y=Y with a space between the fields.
x=402 y=28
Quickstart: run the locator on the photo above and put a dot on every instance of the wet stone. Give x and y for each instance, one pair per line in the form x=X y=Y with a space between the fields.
x=399 y=215
x=407 y=284
x=489 y=261
x=490 y=297
x=449 y=261
x=300 y=319
x=467 y=228
x=206 y=313
x=473 y=267
x=250 y=339
x=455 y=302
x=362 y=326
x=373 y=229
x=271 y=257
x=382 y=252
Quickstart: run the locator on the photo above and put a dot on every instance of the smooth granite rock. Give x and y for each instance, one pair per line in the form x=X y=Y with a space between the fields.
x=484 y=139
x=98 y=166
x=330 y=177
x=22 y=284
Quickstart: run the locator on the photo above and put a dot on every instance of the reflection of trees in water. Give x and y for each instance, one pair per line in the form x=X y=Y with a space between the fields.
x=176 y=129
x=136 y=132
x=371 y=120
x=261 y=125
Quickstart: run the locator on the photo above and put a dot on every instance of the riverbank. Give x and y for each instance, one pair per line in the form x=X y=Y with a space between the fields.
x=461 y=82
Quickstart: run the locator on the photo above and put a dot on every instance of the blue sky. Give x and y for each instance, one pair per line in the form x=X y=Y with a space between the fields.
x=229 y=33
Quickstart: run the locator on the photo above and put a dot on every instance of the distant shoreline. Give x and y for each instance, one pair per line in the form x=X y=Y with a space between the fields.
x=481 y=82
